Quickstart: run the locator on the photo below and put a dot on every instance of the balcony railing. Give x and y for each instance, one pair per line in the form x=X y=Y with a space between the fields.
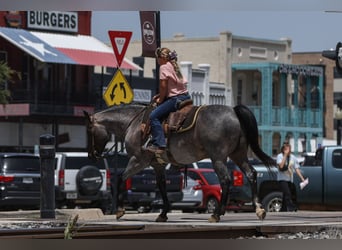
x=44 y=102
x=289 y=117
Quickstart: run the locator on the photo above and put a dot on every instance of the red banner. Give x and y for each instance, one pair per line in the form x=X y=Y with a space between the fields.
x=148 y=33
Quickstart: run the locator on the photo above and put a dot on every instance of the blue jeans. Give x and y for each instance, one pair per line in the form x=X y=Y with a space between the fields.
x=159 y=114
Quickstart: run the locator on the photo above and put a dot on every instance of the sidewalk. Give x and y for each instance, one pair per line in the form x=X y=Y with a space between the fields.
x=60 y=215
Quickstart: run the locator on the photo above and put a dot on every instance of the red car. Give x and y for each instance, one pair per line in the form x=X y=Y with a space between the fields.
x=209 y=183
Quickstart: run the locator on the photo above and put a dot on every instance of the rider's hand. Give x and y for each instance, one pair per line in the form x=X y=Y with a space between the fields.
x=155 y=97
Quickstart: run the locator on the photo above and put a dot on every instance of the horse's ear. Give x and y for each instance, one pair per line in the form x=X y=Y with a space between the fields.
x=86 y=114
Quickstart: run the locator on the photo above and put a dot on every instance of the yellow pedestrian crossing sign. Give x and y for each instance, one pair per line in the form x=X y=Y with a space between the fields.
x=118 y=90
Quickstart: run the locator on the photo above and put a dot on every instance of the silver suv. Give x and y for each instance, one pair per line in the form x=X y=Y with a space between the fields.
x=81 y=182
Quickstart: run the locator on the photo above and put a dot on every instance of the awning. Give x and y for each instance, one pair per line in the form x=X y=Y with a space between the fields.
x=85 y=50
x=33 y=46
x=66 y=49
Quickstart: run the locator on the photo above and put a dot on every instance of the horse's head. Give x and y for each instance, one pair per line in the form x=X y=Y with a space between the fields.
x=97 y=137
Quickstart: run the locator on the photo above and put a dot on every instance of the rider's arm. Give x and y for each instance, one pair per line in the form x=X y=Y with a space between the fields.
x=162 y=90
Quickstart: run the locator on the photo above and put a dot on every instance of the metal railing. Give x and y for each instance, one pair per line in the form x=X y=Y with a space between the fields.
x=290 y=117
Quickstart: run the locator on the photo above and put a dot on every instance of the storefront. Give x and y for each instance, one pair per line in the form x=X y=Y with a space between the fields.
x=55 y=56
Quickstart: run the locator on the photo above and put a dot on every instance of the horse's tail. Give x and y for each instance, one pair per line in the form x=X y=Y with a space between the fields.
x=249 y=126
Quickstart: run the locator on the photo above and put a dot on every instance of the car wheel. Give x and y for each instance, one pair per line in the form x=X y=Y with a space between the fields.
x=89 y=180
x=272 y=202
x=212 y=204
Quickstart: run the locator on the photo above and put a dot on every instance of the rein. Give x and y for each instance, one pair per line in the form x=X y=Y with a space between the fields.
x=134 y=117
x=109 y=150
x=104 y=154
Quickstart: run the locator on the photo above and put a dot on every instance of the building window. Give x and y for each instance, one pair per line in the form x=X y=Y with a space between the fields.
x=239 y=52
x=3 y=56
x=276 y=55
x=239 y=92
x=258 y=52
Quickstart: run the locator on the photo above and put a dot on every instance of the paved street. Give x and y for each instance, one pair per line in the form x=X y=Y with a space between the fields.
x=273 y=223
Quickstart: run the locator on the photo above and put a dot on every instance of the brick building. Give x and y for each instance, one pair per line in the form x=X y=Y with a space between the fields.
x=55 y=56
x=316 y=58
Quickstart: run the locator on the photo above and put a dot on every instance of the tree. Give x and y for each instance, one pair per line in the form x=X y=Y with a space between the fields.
x=5 y=75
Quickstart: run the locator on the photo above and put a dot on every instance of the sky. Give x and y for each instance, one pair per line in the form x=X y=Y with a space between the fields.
x=311 y=30
x=306 y=22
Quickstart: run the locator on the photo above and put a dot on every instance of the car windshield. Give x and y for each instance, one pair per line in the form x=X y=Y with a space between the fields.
x=203 y=164
x=211 y=178
x=79 y=162
x=21 y=164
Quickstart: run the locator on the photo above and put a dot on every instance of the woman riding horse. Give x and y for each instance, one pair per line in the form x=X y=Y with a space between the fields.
x=219 y=132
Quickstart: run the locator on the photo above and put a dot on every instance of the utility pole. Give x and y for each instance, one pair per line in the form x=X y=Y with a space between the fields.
x=157 y=16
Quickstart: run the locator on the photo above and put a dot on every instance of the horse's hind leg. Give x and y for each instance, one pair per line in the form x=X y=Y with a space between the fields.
x=251 y=175
x=224 y=178
x=161 y=183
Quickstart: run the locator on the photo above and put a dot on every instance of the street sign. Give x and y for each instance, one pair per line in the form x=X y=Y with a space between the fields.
x=120 y=41
x=118 y=90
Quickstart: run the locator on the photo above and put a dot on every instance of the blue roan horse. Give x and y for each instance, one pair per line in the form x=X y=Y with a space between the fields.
x=218 y=133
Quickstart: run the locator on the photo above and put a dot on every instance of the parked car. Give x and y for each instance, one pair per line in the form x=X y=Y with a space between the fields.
x=20 y=181
x=204 y=174
x=140 y=192
x=240 y=189
x=82 y=182
x=207 y=181
x=192 y=196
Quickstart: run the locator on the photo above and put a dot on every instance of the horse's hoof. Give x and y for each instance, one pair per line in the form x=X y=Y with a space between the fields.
x=261 y=213
x=214 y=218
x=161 y=218
x=120 y=213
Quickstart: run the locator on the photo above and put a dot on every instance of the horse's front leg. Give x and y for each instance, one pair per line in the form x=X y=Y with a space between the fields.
x=133 y=167
x=161 y=184
x=224 y=178
x=119 y=206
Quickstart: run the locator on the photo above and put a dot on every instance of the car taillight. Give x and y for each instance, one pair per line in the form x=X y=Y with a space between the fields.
x=238 y=178
x=108 y=179
x=61 y=178
x=128 y=184
x=197 y=187
x=6 y=178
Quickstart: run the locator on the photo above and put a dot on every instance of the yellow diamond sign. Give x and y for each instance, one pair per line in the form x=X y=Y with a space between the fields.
x=118 y=90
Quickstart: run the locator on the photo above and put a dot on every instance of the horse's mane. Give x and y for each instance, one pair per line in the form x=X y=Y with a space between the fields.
x=124 y=106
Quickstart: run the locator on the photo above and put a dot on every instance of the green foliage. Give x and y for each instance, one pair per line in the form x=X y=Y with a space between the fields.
x=70 y=229
x=6 y=74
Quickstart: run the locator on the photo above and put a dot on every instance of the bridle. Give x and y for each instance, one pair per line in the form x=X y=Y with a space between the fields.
x=94 y=152
x=92 y=140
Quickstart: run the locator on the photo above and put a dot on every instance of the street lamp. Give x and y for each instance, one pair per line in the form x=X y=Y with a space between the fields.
x=338 y=117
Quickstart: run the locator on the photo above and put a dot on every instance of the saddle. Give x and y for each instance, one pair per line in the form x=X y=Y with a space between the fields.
x=177 y=122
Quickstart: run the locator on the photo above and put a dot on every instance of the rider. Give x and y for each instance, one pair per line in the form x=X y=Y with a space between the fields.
x=172 y=90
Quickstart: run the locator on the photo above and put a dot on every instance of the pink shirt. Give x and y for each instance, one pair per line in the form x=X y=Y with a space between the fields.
x=175 y=86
